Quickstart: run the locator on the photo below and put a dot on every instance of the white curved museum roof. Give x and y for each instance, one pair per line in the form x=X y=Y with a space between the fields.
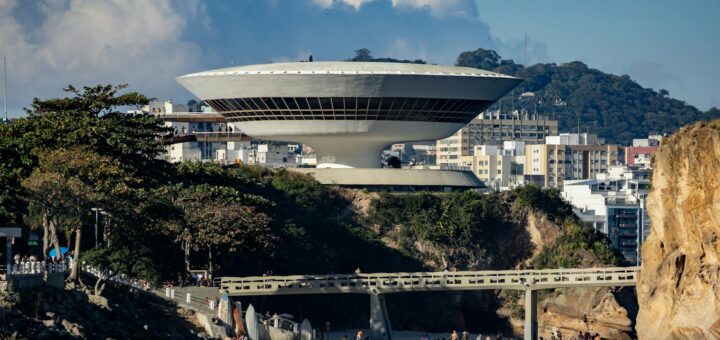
x=349 y=68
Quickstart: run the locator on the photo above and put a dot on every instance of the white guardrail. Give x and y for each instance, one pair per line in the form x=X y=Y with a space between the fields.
x=34 y=268
x=174 y=294
x=378 y=283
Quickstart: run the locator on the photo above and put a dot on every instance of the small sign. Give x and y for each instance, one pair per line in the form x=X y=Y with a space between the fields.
x=10 y=232
x=33 y=243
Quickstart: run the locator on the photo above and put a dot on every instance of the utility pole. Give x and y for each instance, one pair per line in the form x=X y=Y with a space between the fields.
x=5 y=87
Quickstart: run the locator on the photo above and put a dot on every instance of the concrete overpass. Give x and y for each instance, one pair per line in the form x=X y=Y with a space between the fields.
x=205 y=137
x=378 y=284
x=191 y=117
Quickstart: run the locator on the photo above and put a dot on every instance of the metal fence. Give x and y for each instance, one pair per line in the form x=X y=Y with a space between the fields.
x=179 y=295
x=34 y=268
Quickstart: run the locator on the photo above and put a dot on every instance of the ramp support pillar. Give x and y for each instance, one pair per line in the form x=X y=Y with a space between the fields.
x=379 y=319
x=531 y=324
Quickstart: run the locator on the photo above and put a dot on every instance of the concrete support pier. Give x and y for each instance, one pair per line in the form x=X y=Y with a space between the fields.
x=531 y=325
x=379 y=319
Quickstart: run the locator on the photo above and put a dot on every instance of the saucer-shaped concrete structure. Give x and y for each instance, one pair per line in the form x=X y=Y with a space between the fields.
x=348 y=111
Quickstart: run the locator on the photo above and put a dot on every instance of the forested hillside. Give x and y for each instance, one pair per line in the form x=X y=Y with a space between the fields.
x=615 y=107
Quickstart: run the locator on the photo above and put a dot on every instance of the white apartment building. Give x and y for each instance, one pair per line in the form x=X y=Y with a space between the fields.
x=492 y=128
x=502 y=168
x=271 y=155
x=491 y=166
x=570 y=157
x=614 y=203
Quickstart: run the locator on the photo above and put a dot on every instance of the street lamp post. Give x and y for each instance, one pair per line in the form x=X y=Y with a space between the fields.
x=106 y=230
x=97 y=211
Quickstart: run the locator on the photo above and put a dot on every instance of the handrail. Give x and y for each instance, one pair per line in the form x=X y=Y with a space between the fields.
x=34 y=268
x=181 y=298
x=419 y=281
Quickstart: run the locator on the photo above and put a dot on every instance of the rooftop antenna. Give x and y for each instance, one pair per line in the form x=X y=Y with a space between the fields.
x=5 y=88
x=525 y=49
x=578 y=123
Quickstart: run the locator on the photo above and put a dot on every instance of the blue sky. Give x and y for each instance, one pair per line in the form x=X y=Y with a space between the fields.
x=52 y=43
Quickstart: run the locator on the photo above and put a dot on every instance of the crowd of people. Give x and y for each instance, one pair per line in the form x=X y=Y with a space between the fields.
x=183 y=131
x=454 y=335
x=465 y=336
x=30 y=264
x=555 y=334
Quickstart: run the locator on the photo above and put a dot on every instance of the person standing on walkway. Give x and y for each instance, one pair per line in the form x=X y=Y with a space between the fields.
x=454 y=335
x=359 y=335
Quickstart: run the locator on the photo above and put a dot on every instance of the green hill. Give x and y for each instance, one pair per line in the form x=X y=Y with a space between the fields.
x=615 y=107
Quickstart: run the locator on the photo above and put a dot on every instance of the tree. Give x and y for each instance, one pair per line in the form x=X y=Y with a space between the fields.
x=111 y=262
x=68 y=182
x=480 y=58
x=86 y=122
x=363 y=54
x=394 y=162
x=12 y=165
x=89 y=118
x=220 y=217
x=194 y=105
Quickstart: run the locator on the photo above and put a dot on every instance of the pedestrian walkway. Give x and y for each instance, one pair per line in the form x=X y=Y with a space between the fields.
x=199 y=299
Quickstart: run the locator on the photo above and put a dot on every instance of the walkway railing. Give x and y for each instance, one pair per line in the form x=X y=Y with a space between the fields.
x=205 y=137
x=379 y=283
x=186 y=296
x=34 y=268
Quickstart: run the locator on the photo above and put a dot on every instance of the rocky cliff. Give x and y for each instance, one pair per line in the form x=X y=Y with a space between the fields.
x=74 y=313
x=607 y=312
x=679 y=286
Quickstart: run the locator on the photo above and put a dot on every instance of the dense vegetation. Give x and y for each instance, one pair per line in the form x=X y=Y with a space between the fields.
x=471 y=231
x=365 y=54
x=615 y=107
x=468 y=230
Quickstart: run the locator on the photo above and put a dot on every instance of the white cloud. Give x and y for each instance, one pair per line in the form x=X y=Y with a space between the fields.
x=438 y=8
x=329 y=3
x=441 y=8
x=85 y=42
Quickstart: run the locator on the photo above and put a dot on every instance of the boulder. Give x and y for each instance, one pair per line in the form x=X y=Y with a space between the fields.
x=49 y=323
x=77 y=330
x=593 y=310
x=67 y=325
x=679 y=283
x=99 y=301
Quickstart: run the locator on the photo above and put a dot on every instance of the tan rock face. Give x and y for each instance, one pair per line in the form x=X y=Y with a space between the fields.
x=593 y=310
x=542 y=231
x=679 y=286
x=570 y=310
